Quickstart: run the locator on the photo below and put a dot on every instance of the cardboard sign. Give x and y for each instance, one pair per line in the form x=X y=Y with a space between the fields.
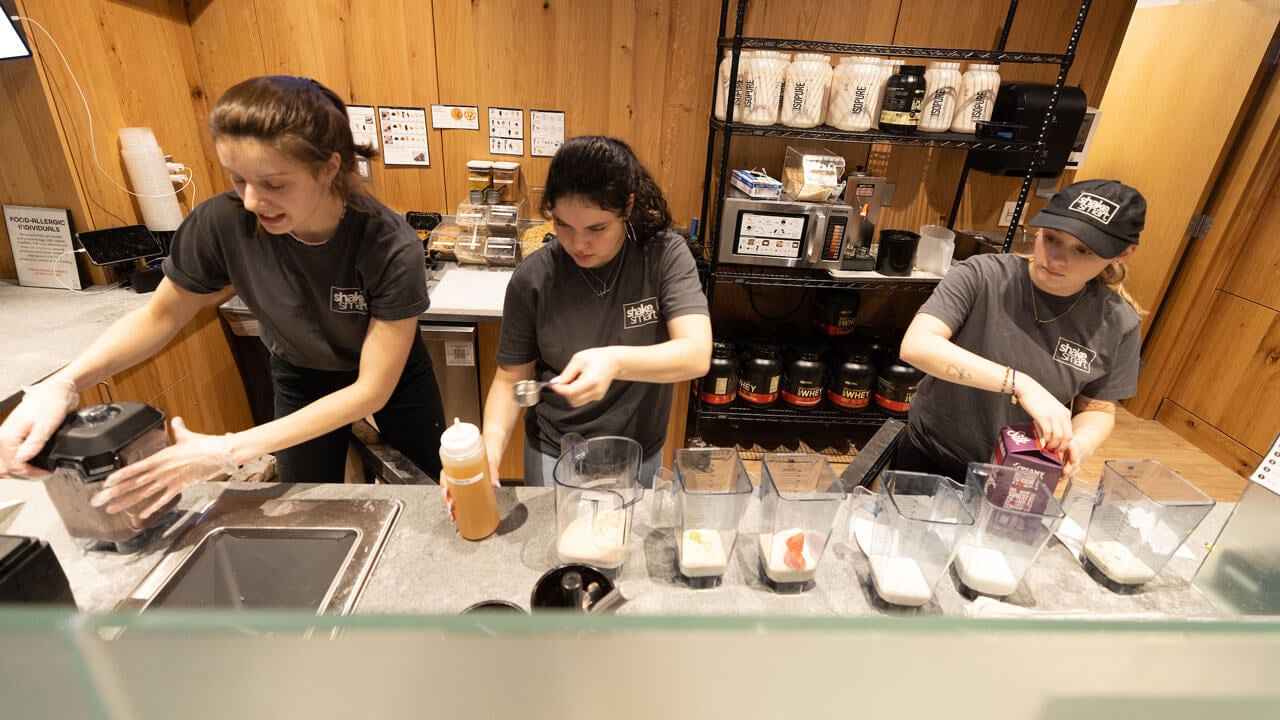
x=42 y=247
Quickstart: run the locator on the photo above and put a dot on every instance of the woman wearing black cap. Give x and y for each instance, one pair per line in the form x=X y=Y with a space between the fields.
x=1053 y=340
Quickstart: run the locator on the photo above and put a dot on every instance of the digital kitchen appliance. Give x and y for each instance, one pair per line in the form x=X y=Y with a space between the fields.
x=783 y=233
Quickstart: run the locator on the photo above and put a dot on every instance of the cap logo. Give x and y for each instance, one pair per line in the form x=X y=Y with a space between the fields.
x=1095 y=206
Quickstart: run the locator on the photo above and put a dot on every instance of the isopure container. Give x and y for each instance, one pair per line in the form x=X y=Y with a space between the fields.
x=804 y=90
x=941 y=91
x=978 y=88
x=857 y=85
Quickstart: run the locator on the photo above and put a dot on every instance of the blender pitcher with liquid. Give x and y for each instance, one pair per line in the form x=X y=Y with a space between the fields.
x=909 y=531
x=799 y=497
x=994 y=556
x=597 y=483
x=703 y=501
x=1142 y=513
x=92 y=443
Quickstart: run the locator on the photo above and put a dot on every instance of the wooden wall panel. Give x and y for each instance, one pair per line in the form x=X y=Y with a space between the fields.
x=1257 y=268
x=1231 y=376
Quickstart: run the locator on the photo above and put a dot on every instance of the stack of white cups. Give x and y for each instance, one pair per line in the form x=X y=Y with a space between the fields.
x=149 y=176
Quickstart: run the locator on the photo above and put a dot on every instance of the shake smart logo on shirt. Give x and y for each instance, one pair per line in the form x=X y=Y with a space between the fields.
x=1074 y=355
x=640 y=313
x=347 y=300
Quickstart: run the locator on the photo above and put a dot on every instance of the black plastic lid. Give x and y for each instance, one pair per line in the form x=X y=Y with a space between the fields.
x=14 y=550
x=91 y=436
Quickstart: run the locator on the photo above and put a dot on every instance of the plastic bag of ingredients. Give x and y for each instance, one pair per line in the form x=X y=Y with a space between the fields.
x=809 y=176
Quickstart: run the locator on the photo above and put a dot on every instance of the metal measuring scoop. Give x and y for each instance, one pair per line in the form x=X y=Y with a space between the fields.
x=529 y=392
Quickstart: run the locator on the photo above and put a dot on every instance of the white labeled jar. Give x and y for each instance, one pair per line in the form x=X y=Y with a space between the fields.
x=761 y=87
x=941 y=91
x=857 y=87
x=804 y=90
x=978 y=88
x=722 y=85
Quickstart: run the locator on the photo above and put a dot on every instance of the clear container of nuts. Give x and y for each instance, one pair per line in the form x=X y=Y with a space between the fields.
x=472 y=233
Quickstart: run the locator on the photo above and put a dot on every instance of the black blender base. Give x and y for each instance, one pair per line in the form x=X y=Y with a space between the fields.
x=700 y=583
x=782 y=588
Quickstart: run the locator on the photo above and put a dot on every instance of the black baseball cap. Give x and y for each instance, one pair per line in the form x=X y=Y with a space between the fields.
x=1106 y=215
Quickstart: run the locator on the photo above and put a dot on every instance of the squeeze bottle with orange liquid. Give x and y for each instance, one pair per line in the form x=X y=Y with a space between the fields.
x=465 y=472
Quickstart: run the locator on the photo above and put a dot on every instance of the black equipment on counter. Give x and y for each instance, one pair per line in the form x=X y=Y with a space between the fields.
x=1025 y=105
x=30 y=573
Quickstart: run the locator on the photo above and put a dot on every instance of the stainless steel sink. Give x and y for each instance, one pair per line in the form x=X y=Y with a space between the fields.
x=246 y=553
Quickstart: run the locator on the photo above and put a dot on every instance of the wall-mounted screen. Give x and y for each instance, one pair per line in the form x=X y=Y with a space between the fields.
x=12 y=44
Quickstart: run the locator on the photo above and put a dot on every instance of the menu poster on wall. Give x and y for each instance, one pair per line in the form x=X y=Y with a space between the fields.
x=546 y=132
x=364 y=125
x=404 y=135
x=455 y=117
x=42 y=248
x=506 y=131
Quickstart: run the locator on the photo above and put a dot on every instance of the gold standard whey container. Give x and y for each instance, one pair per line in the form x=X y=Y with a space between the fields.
x=92 y=443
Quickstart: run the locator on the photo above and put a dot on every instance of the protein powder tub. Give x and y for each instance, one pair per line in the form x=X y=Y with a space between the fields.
x=802 y=384
x=895 y=387
x=851 y=381
x=903 y=100
x=835 y=311
x=760 y=375
x=720 y=385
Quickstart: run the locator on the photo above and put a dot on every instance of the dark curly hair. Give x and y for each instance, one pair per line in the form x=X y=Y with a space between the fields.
x=296 y=116
x=605 y=171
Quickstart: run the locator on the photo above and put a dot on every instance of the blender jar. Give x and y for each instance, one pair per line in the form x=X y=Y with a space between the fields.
x=703 y=501
x=799 y=498
x=91 y=443
x=597 y=486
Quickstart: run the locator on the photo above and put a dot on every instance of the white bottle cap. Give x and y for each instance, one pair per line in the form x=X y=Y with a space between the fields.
x=459 y=440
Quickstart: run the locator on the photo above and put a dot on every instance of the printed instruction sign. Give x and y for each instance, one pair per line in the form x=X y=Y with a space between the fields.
x=42 y=247
x=506 y=131
x=546 y=132
x=404 y=135
x=455 y=117
x=364 y=125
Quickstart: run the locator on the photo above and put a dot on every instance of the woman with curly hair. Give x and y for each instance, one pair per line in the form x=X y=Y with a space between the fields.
x=610 y=313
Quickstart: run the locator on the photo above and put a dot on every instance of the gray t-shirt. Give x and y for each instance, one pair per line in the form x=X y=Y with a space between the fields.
x=312 y=303
x=550 y=313
x=986 y=301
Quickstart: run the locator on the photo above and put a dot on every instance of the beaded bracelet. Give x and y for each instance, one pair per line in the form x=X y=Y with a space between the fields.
x=1013 y=389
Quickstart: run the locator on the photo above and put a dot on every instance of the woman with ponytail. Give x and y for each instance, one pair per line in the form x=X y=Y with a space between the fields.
x=335 y=279
x=1051 y=340
x=610 y=313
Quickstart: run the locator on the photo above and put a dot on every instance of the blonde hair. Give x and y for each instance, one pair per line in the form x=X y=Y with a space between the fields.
x=1113 y=276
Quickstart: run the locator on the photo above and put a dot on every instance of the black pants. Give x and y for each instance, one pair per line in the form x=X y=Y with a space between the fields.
x=912 y=458
x=411 y=421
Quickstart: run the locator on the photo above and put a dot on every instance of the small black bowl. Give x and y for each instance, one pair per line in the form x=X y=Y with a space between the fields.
x=549 y=593
x=499 y=606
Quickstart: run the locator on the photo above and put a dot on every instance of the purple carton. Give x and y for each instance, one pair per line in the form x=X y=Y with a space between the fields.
x=1018 y=447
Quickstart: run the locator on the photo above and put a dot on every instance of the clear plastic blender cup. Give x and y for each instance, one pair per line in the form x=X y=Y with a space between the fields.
x=1142 y=513
x=597 y=486
x=909 y=531
x=994 y=555
x=799 y=497
x=703 y=501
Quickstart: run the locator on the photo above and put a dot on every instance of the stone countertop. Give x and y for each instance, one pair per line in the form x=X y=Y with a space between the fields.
x=426 y=568
x=48 y=327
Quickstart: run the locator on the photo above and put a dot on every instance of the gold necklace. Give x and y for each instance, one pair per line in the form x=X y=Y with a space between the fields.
x=322 y=242
x=1063 y=314
x=617 y=273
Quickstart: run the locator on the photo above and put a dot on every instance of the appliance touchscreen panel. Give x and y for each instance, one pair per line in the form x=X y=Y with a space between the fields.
x=772 y=235
x=113 y=245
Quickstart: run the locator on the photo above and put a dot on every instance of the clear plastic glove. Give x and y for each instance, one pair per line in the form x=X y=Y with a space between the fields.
x=23 y=435
x=150 y=483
